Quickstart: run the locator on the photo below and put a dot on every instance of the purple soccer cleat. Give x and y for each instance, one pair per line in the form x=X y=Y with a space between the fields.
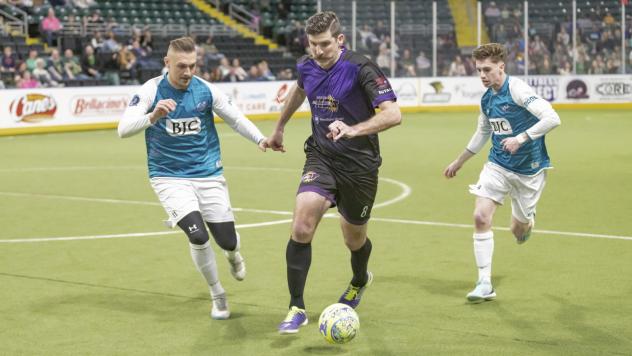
x=353 y=294
x=295 y=318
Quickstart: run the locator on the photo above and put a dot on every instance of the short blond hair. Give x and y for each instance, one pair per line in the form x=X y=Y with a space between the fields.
x=494 y=51
x=182 y=44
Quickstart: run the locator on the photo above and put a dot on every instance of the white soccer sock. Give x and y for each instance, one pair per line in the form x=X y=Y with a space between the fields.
x=483 y=252
x=204 y=260
x=231 y=254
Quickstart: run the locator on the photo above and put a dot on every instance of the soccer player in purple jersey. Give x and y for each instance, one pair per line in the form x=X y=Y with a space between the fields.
x=342 y=155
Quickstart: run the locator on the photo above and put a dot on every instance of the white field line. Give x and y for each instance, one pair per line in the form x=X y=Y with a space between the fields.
x=140 y=234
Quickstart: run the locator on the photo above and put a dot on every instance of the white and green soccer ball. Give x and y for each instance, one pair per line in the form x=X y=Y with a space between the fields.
x=339 y=323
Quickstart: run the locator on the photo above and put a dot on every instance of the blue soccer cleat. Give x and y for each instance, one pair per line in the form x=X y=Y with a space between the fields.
x=527 y=234
x=353 y=294
x=295 y=318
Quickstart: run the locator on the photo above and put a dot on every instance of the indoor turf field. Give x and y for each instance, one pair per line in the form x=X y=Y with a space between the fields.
x=88 y=268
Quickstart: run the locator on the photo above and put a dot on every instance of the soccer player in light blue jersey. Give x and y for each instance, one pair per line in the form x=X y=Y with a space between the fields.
x=517 y=120
x=175 y=111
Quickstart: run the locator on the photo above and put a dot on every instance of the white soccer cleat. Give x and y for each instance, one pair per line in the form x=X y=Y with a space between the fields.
x=237 y=265
x=236 y=261
x=219 y=310
x=482 y=292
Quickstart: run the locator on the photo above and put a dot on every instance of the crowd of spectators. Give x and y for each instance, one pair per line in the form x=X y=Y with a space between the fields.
x=114 y=57
x=598 y=39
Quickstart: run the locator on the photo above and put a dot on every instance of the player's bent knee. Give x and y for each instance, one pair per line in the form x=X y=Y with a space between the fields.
x=193 y=227
x=302 y=232
x=482 y=219
x=224 y=234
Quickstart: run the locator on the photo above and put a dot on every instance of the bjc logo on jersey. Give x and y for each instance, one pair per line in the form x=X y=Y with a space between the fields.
x=184 y=127
x=501 y=126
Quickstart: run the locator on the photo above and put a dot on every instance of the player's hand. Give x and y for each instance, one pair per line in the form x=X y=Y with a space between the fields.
x=275 y=142
x=451 y=170
x=510 y=144
x=262 y=144
x=162 y=109
x=339 y=129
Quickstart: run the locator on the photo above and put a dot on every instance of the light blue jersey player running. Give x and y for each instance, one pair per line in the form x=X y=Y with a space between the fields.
x=176 y=113
x=517 y=119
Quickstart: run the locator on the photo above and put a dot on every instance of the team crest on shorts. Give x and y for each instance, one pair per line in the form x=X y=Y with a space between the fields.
x=309 y=177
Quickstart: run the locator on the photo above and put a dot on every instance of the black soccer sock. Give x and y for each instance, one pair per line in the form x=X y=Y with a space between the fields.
x=298 y=257
x=224 y=234
x=359 y=263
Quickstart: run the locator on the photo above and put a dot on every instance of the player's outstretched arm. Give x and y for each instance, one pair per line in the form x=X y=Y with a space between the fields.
x=452 y=168
x=389 y=116
x=235 y=118
x=295 y=99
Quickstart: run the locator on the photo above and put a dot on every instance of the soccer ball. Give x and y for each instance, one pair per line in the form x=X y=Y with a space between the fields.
x=338 y=323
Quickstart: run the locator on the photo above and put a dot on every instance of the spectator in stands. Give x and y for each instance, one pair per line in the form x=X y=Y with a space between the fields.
x=237 y=72
x=505 y=13
x=368 y=39
x=264 y=71
x=9 y=60
x=94 y=18
x=563 y=36
x=111 y=44
x=97 y=41
x=90 y=64
x=423 y=65
x=224 y=69
x=492 y=13
x=26 y=81
x=146 y=40
x=42 y=75
x=51 y=26
x=285 y=74
x=30 y=60
x=383 y=60
x=609 y=20
x=55 y=66
x=127 y=63
x=457 y=68
x=407 y=64
x=72 y=67
x=380 y=30
x=390 y=45
x=253 y=73
x=210 y=50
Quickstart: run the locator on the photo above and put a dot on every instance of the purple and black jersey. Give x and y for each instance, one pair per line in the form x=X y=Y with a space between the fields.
x=348 y=91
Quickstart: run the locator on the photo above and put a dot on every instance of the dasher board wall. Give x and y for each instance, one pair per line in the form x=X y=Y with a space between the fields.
x=24 y=111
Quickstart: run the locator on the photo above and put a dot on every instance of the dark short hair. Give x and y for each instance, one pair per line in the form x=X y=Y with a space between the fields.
x=182 y=44
x=495 y=51
x=323 y=22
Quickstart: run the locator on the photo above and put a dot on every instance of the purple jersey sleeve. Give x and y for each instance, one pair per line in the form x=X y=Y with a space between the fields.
x=375 y=84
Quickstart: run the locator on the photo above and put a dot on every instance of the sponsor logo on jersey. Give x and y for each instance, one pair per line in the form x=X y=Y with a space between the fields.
x=309 y=177
x=33 y=108
x=184 y=127
x=438 y=96
x=501 y=126
x=135 y=100
x=326 y=103
x=202 y=106
x=530 y=100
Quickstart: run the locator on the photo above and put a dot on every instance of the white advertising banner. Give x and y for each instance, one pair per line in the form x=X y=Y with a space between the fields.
x=46 y=107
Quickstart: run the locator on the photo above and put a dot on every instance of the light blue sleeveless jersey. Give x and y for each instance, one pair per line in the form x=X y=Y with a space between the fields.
x=508 y=119
x=185 y=143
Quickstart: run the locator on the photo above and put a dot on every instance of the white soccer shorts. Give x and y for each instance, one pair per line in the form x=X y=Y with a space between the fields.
x=181 y=196
x=496 y=182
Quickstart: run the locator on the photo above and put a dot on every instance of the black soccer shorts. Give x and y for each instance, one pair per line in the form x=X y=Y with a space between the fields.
x=353 y=193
